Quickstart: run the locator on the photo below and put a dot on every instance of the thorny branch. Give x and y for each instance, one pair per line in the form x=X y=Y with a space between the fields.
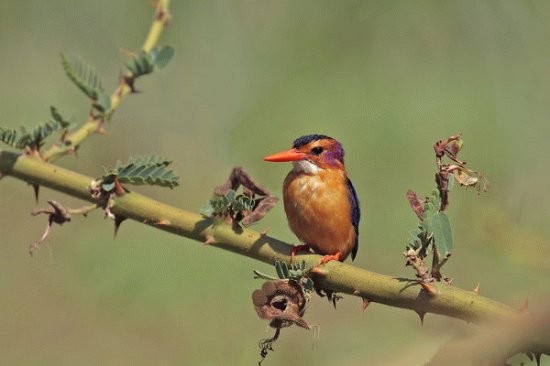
x=338 y=277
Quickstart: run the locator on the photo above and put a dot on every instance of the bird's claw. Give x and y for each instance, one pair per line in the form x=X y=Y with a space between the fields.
x=328 y=258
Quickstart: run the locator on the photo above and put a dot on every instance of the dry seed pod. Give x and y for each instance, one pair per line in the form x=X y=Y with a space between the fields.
x=282 y=302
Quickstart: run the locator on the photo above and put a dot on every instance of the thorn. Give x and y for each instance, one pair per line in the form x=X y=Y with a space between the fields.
x=525 y=308
x=36 y=189
x=209 y=240
x=128 y=53
x=537 y=357
x=73 y=150
x=163 y=222
x=366 y=303
x=356 y=292
x=476 y=289
x=118 y=220
x=428 y=288
x=421 y=315
x=335 y=298
x=119 y=189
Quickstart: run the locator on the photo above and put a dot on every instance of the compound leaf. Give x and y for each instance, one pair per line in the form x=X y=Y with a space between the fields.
x=150 y=170
x=86 y=79
x=28 y=138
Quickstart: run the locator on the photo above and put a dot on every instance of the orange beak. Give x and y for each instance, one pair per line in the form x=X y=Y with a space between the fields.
x=288 y=155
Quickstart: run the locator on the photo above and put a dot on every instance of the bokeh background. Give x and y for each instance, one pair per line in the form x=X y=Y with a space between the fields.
x=387 y=79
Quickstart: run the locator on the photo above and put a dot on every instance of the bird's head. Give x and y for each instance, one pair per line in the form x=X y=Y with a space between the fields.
x=312 y=152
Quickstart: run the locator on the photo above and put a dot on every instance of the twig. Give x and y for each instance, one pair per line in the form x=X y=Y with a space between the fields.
x=58 y=214
x=94 y=124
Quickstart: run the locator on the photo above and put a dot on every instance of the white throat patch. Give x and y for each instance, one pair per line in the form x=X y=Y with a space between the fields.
x=305 y=167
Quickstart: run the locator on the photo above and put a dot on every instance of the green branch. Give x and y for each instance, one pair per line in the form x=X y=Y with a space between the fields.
x=339 y=277
x=94 y=123
x=162 y=17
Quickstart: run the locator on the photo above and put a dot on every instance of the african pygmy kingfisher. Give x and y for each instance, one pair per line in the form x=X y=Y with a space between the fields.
x=320 y=202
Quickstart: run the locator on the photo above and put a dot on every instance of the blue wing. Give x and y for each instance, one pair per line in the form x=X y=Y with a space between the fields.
x=355 y=216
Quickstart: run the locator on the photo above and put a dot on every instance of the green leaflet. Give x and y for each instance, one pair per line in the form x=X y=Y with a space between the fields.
x=145 y=63
x=86 y=79
x=442 y=233
x=431 y=208
x=279 y=270
x=57 y=117
x=10 y=137
x=34 y=137
x=435 y=226
x=221 y=205
x=149 y=170
x=164 y=56
x=295 y=272
x=282 y=269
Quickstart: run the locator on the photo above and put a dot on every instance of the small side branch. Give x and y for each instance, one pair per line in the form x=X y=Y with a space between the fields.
x=94 y=123
x=58 y=214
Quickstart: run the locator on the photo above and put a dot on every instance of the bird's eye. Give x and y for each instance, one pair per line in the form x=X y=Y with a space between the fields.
x=317 y=150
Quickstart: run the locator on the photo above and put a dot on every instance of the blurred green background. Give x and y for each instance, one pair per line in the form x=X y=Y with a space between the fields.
x=387 y=79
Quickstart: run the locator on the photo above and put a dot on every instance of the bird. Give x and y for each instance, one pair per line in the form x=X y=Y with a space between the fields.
x=320 y=201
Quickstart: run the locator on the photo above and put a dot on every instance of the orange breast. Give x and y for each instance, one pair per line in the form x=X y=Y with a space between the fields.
x=318 y=209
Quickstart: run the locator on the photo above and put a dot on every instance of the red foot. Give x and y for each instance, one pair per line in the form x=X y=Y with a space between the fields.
x=328 y=258
x=295 y=249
